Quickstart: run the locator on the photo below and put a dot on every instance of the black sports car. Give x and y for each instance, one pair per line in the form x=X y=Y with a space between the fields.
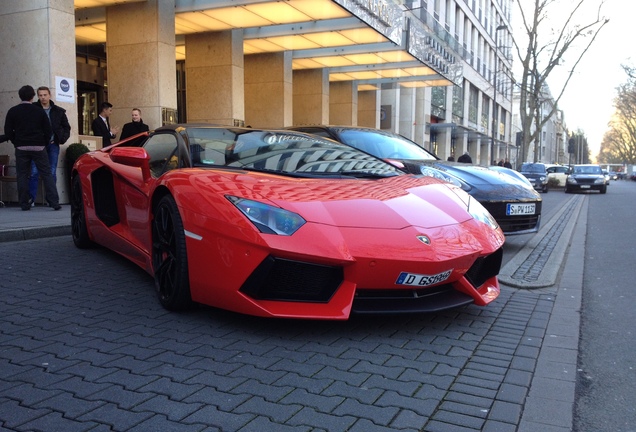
x=514 y=204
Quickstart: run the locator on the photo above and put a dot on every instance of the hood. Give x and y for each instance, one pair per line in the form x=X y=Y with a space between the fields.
x=391 y=203
x=487 y=184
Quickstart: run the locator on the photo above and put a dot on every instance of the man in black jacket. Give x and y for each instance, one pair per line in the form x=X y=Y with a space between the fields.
x=101 y=124
x=61 y=132
x=136 y=126
x=29 y=129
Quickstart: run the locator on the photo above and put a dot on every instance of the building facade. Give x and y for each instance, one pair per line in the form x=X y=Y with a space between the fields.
x=550 y=147
x=436 y=71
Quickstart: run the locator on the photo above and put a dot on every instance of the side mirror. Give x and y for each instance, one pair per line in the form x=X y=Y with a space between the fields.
x=136 y=157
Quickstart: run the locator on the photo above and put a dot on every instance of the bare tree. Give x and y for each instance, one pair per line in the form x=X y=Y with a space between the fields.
x=545 y=50
x=619 y=142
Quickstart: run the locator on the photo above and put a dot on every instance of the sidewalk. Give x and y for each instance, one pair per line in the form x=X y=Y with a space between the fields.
x=40 y=221
x=537 y=391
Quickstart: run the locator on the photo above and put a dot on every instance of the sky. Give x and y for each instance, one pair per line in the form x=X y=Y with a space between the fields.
x=588 y=100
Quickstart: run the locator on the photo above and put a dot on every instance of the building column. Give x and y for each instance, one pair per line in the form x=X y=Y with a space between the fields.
x=472 y=146
x=407 y=112
x=390 y=108
x=141 y=61
x=38 y=49
x=268 y=90
x=311 y=97
x=421 y=125
x=369 y=108
x=343 y=103
x=214 y=77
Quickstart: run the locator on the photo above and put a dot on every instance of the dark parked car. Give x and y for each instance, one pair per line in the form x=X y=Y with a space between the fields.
x=537 y=174
x=586 y=177
x=512 y=202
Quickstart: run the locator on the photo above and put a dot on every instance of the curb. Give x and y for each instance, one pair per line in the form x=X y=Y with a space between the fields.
x=538 y=264
x=34 y=233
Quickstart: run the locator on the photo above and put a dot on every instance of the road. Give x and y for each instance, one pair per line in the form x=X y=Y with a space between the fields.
x=606 y=390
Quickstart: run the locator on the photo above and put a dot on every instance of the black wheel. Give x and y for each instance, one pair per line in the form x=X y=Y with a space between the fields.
x=545 y=189
x=169 y=256
x=567 y=190
x=603 y=189
x=78 y=217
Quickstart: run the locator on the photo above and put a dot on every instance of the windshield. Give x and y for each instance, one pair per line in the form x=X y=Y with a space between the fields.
x=284 y=152
x=384 y=145
x=533 y=168
x=587 y=170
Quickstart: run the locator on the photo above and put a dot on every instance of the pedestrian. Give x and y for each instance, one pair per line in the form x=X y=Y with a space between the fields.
x=135 y=127
x=465 y=158
x=451 y=159
x=28 y=128
x=61 y=132
x=101 y=124
x=507 y=164
x=500 y=163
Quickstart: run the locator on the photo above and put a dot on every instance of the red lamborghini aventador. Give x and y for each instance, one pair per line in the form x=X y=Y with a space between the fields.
x=283 y=224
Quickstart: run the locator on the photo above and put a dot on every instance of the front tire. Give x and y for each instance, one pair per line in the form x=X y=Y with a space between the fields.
x=603 y=189
x=79 y=231
x=169 y=256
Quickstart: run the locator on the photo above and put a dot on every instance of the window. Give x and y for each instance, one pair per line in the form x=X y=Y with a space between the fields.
x=162 y=149
x=473 y=104
x=458 y=102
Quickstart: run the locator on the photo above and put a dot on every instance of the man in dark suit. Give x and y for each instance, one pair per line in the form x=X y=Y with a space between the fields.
x=101 y=124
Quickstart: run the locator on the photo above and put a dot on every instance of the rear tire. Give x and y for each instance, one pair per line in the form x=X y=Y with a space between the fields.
x=79 y=230
x=169 y=256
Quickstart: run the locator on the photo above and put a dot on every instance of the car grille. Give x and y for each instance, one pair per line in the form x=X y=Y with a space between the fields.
x=512 y=224
x=585 y=180
x=287 y=280
x=419 y=300
x=484 y=268
x=368 y=301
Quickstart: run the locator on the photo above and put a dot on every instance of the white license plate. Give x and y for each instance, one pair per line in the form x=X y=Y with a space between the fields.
x=413 y=279
x=520 y=209
x=585 y=186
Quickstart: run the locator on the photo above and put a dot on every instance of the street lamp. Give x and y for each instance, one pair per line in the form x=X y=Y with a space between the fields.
x=494 y=96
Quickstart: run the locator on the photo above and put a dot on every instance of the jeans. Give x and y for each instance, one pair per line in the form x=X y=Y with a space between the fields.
x=23 y=161
x=53 y=151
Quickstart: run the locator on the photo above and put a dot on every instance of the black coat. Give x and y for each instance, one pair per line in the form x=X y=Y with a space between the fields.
x=59 y=123
x=100 y=129
x=27 y=125
x=133 y=128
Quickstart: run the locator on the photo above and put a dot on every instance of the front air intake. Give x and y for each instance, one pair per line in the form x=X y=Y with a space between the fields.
x=286 y=280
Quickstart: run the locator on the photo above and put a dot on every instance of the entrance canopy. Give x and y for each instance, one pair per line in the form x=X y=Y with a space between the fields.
x=371 y=41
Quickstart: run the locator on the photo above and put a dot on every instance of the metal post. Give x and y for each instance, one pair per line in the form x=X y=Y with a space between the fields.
x=494 y=96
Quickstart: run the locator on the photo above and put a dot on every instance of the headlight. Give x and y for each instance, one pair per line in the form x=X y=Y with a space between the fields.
x=571 y=180
x=543 y=179
x=441 y=175
x=478 y=212
x=267 y=218
x=599 y=180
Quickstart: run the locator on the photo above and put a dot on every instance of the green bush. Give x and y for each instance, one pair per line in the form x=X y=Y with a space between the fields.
x=554 y=183
x=74 y=151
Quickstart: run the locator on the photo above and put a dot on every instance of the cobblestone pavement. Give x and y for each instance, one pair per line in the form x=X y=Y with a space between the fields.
x=85 y=346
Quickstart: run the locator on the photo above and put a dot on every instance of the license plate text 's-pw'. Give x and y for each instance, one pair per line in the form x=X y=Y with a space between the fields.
x=520 y=209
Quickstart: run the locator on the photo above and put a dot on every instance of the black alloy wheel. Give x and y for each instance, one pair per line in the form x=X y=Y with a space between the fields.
x=79 y=231
x=169 y=256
